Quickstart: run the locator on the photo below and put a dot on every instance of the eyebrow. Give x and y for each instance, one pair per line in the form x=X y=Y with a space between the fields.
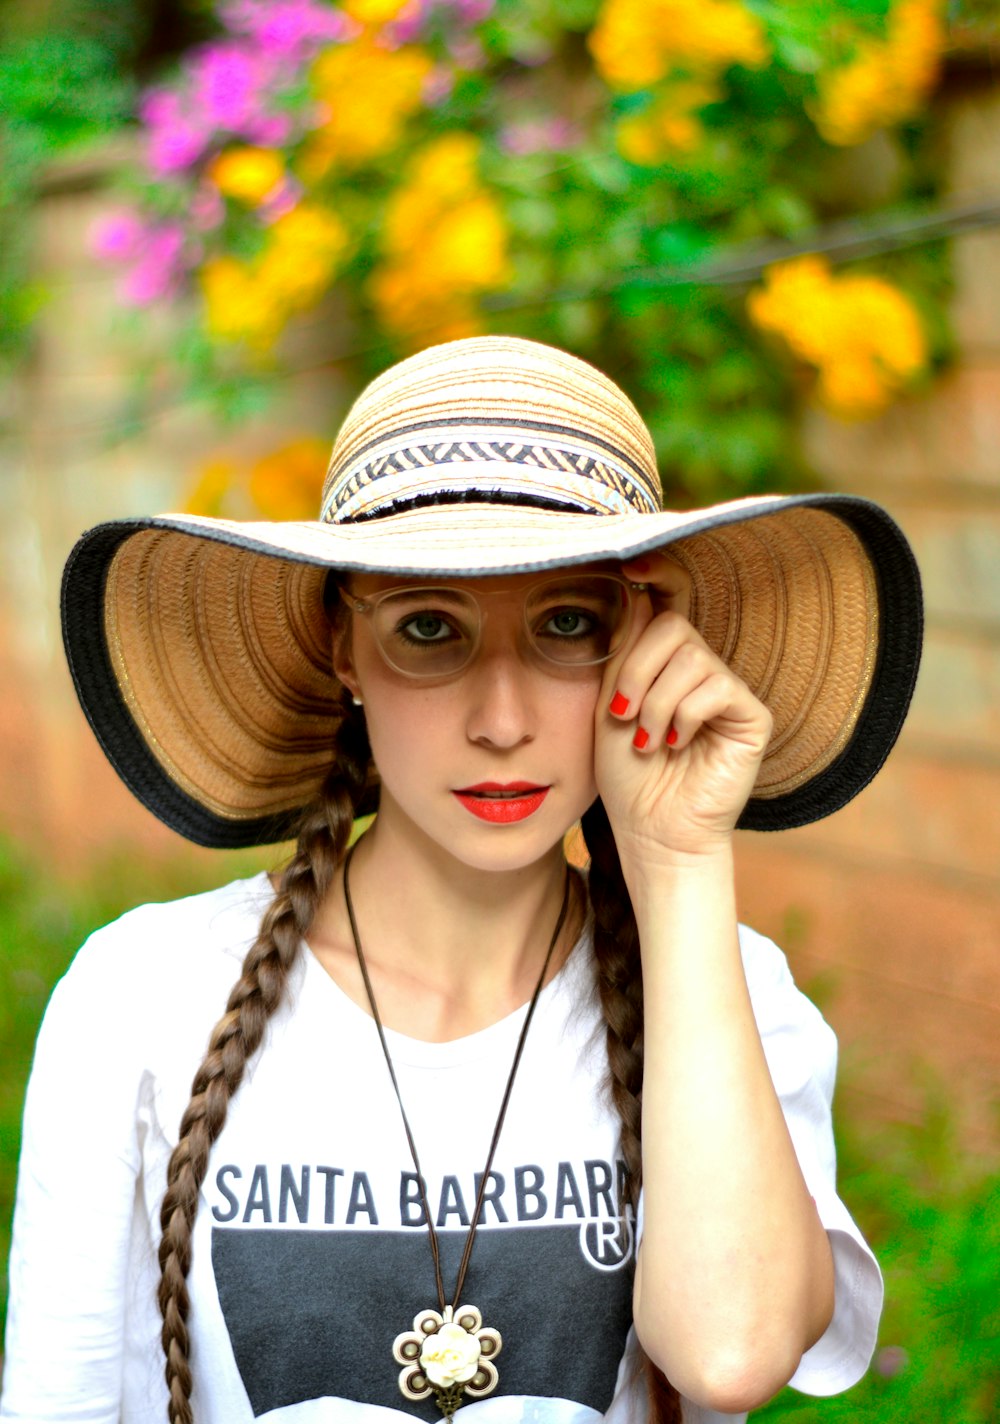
x=572 y=586
x=419 y=591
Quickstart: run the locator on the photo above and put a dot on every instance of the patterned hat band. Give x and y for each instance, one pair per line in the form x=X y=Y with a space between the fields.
x=492 y=420
x=519 y=462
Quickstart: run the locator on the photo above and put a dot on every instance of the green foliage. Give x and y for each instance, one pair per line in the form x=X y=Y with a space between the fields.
x=633 y=208
x=932 y=1216
x=68 y=73
x=57 y=92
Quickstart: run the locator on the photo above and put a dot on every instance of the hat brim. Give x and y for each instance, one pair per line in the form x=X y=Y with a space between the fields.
x=201 y=656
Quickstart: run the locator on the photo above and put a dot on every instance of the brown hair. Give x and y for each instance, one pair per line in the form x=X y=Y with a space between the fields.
x=619 y=981
x=322 y=842
x=323 y=838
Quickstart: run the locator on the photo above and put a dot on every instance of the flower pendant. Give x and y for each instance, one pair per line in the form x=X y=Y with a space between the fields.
x=448 y=1355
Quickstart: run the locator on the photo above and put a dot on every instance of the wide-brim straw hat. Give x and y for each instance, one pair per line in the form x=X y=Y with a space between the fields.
x=201 y=652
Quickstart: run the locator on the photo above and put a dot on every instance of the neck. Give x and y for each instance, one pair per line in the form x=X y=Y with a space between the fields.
x=450 y=948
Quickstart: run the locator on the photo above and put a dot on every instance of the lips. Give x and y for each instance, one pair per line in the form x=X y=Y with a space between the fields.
x=502 y=803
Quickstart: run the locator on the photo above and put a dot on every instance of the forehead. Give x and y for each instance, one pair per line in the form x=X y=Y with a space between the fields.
x=497 y=584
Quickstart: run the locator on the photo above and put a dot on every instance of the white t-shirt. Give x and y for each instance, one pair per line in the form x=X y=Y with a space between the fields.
x=309 y=1254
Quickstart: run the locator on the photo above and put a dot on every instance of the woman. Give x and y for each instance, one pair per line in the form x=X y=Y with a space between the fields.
x=475 y=1130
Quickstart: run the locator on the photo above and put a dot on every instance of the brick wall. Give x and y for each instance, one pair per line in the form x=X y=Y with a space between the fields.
x=894 y=903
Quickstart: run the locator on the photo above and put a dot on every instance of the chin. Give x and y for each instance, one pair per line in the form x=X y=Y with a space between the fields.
x=502 y=848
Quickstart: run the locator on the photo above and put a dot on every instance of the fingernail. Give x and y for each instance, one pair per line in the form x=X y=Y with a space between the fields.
x=641 y=739
x=619 y=705
x=672 y=737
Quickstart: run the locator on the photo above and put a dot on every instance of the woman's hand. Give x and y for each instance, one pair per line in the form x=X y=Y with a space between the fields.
x=679 y=737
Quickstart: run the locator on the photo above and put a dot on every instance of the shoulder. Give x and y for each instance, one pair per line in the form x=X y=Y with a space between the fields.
x=177 y=935
x=769 y=976
x=173 y=957
x=798 y=1041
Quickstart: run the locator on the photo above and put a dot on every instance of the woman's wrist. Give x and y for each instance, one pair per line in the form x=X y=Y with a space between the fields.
x=657 y=874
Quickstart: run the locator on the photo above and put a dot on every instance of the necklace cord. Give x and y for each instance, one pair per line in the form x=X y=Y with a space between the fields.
x=484 y=1180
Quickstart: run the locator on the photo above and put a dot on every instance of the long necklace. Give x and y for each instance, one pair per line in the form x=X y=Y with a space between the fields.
x=449 y=1352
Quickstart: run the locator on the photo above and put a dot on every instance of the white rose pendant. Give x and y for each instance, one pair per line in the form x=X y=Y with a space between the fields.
x=448 y=1355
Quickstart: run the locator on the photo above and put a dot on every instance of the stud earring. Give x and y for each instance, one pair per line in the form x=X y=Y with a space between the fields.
x=357 y=701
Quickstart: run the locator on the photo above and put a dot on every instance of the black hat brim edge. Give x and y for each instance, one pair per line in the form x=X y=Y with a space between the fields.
x=894 y=677
x=86 y=644
x=897 y=582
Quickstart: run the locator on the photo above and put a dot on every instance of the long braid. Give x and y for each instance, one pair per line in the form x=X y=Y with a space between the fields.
x=323 y=837
x=619 y=977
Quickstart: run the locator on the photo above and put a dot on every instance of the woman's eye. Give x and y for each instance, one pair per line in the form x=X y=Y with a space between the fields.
x=426 y=628
x=569 y=623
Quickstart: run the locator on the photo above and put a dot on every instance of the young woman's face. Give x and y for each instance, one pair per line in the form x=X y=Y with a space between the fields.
x=493 y=760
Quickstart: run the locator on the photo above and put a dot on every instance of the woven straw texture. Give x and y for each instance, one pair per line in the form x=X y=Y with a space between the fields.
x=543 y=424
x=201 y=652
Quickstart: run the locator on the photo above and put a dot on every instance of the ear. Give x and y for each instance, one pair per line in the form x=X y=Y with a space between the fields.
x=343 y=656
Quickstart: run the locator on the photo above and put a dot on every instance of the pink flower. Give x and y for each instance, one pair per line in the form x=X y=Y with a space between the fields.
x=413 y=19
x=270 y=130
x=473 y=12
x=292 y=30
x=207 y=208
x=281 y=201
x=117 y=237
x=540 y=136
x=467 y=52
x=891 y=1360
x=228 y=85
x=408 y=25
x=174 y=149
x=174 y=140
x=438 y=85
x=159 y=266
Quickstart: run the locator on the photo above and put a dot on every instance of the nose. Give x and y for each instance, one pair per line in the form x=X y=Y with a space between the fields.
x=500 y=687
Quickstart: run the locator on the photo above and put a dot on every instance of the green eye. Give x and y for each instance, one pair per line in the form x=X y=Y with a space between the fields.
x=426 y=628
x=569 y=623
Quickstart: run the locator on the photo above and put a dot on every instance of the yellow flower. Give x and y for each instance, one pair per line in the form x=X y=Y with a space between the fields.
x=252 y=301
x=444 y=241
x=852 y=389
x=374 y=12
x=636 y=43
x=248 y=174
x=288 y=482
x=305 y=249
x=669 y=126
x=884 y=83
x=366 y=93
x=860 y=333
x=237 y=306
x=207 y=495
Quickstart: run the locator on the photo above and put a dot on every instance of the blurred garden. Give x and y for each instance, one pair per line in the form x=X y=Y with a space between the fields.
x=777 y=225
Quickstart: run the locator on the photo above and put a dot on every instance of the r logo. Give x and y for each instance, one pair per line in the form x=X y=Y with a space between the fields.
x=607 y=1242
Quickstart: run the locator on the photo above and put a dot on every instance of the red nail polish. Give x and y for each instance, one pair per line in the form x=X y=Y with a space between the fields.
x=672 y=737
x=619 y=705
x=641 y=739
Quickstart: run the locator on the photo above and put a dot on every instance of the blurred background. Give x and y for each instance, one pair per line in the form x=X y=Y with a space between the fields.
x=777 y=225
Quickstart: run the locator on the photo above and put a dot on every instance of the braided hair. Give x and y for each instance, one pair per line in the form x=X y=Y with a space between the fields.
x=324 y=834
x=619 y=979
x=323 y=838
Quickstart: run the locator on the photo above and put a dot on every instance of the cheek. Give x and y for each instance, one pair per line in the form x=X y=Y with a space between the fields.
x=572 y=730
x=402 y=730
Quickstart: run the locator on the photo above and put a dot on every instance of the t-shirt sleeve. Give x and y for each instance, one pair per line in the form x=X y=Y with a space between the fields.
x=75 y=1196
x=801 y=1051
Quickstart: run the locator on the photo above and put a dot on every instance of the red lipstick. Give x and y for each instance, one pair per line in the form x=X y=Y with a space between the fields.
x=502 y=803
